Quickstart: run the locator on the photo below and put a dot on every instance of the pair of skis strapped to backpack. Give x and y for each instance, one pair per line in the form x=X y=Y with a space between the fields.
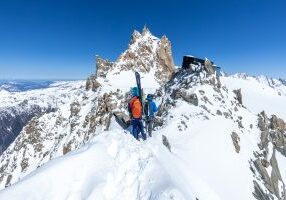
x=138 y=82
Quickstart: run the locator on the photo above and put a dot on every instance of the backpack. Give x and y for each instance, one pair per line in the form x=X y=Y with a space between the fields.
x=135 y=107
x=150 y=108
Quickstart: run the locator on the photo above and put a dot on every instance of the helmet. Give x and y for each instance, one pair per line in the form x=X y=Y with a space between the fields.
x=134 y=91
x=150 y=97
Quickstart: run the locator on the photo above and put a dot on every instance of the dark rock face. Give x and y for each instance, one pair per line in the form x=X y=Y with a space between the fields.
x=278 y=134
x=235 y=139
x=259 y=193
x=238 y=95
x=209 y=67
x=13 y=119
x=105 y=108
x=166 y=142
x=277 y=124
x=92 y=83
x=282 y=81
x=165 y=60
x=102 y=66
x=190 y=98
x=272 y=131
x=271 y=181
x=218 y=112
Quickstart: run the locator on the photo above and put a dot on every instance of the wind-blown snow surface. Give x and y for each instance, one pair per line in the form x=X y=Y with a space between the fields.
x=112 y=166
x=203 y=163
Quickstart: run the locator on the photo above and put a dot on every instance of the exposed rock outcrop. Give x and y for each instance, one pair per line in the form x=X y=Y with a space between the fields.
x=277 y=124
x=238 y=95
x=181 y=93
x=263 y=126
x=103 y=66
x=164 y=60
x=209 y=67
x=272 y=139
x=236 y=140
x=166 y=143
x=92 y=83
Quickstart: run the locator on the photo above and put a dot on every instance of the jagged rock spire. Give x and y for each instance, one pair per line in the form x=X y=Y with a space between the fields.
x=135 y=36
x=145 y=53
x=102 y=66
x=145 y=30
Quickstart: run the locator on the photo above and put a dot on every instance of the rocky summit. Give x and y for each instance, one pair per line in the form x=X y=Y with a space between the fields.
x=215 y=137
x=146 y=54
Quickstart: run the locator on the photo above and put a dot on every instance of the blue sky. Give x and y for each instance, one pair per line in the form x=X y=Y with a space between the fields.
x=58 y=39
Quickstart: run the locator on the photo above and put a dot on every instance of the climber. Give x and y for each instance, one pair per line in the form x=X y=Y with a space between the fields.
x=135 y=110
x=150 y=109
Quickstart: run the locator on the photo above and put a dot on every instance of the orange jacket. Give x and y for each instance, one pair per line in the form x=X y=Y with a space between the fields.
x=135 y=107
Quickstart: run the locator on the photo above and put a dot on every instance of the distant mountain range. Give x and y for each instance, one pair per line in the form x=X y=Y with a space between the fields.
x=23 y=85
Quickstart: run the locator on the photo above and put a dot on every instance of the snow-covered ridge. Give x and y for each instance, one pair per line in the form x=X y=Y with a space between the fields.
x=212 y=139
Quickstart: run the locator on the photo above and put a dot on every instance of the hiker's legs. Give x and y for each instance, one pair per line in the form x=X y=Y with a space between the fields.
x=135 y=128
x=141 y=129
x=150 y=127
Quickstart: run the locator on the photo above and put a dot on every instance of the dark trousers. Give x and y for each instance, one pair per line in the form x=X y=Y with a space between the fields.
x=149 y=125
x=137 y=128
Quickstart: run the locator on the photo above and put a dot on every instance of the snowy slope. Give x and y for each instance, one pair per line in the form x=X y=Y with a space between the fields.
x=115 y=166
x=258 y=94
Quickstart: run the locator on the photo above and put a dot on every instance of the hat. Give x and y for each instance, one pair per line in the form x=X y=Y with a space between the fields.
x=134 y=91
x=150 y=97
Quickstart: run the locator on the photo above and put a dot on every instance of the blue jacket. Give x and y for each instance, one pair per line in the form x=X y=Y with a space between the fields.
x=150 y=108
